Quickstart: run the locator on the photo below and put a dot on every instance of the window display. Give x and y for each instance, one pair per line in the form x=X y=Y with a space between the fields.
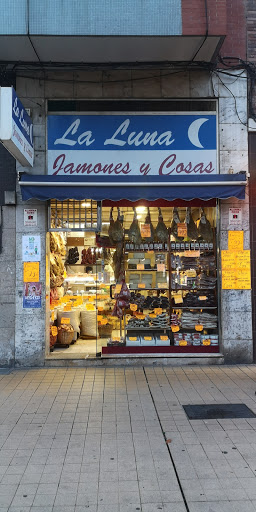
x=146 y=282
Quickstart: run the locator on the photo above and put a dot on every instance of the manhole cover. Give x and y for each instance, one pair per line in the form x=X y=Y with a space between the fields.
x=218 y=411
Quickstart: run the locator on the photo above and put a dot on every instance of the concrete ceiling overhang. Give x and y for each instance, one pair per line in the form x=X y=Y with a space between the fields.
x=108 y=49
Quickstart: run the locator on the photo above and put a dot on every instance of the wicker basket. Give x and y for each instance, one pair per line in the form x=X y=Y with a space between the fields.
x=105 y=330
x=65 y=337
x=53 y=340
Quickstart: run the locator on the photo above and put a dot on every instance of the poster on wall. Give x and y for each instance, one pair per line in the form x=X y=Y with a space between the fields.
x=235 y=216
x=132 y=144
x=32 y=295
x=31 y=248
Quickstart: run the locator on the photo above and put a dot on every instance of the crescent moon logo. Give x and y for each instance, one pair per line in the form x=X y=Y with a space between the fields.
x=193 y=131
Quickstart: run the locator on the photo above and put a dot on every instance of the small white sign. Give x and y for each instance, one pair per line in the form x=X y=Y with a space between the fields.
x=235 y=216
x=16 y=128
x=30 y=217
x=31 y=248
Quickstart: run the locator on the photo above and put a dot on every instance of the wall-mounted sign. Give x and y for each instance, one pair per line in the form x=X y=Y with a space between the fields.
x=32 y=295
x=235 y=216
x=30 y=217
x=132 y=144
x=31 y=248
x=236 y=270
x=16 y=128
x=235 y=240
x=31 y=271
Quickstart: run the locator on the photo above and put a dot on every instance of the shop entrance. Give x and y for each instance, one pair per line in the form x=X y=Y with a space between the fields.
x=132 y=278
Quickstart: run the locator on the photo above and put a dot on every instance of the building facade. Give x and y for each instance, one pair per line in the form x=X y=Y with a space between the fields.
x=109 y=60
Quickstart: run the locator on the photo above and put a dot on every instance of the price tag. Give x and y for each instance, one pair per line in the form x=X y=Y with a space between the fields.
x=54 y=330
x=182 y=229
x=99 y=318
x=160 y=267
x=67 y=308
x=147 y=338
x=133 y=307
x=164 y=338
x=141 y=285
x=178 y=299
x=152 y=315
x=140 y=316
x=65 y=320
x=90 y=307
x=191 y=273
x=52 y=316
x=183 y=343
x=100 y=308
x=158 y=311
x=199 y=327
x=206 y=343
x=116 y=338
x=118 y=288
x=202 y=297
x=145 y=231
x=104 y=321
x=175 y=328
x=134 y=338
x=140 y=266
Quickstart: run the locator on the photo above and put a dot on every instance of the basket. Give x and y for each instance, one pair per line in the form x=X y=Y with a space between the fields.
x=53 y=340
x=105 y=330
x=65 y=337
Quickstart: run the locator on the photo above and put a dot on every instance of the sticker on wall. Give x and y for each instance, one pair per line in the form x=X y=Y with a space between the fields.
x=31 y=248
x=32 y=295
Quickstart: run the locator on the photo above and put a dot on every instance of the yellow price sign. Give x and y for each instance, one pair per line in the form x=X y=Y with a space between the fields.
x=99 y=318
x=54 y=330
x=116 y=338
x=202 y=297
x=206 y=343
x=199 y=327
x=164 y=338
x=52 y=316
x=175 y=328
x=133 y=307
x=140 y=266
x=65 y=320
x=147 y=338
x=235 y=240
x=158 y=311
x=90 y=307
x=141 y=285
x=104 y=321
x=134 y=338
x=183 y=343
x=31 y=272
x=152 y=315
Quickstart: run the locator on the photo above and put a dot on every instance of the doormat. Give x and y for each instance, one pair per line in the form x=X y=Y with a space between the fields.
x=218 y=411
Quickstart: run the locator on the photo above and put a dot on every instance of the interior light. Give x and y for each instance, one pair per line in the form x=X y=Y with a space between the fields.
x=141 y=209
x=86 y=205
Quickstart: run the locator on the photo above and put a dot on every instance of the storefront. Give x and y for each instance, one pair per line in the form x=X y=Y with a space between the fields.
x=133 y=242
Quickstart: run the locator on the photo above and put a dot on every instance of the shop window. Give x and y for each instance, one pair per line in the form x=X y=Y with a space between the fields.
x=71 y=215
x=144 y=282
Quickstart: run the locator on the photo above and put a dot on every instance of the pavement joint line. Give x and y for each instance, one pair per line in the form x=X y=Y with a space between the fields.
x=167 y=445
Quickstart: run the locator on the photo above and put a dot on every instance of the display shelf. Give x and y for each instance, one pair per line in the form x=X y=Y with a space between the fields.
x=146 y=270
x=148 y=289
x=151 y=251
x=140 y=329
x=192 y=307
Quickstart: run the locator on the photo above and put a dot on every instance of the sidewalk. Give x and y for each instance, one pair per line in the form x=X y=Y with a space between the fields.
x=118 y=440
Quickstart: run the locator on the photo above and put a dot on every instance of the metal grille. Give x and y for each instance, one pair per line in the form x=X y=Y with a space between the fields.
x=71 y=215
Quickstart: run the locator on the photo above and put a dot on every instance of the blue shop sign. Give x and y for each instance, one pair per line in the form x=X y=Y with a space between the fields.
x=132 y=144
